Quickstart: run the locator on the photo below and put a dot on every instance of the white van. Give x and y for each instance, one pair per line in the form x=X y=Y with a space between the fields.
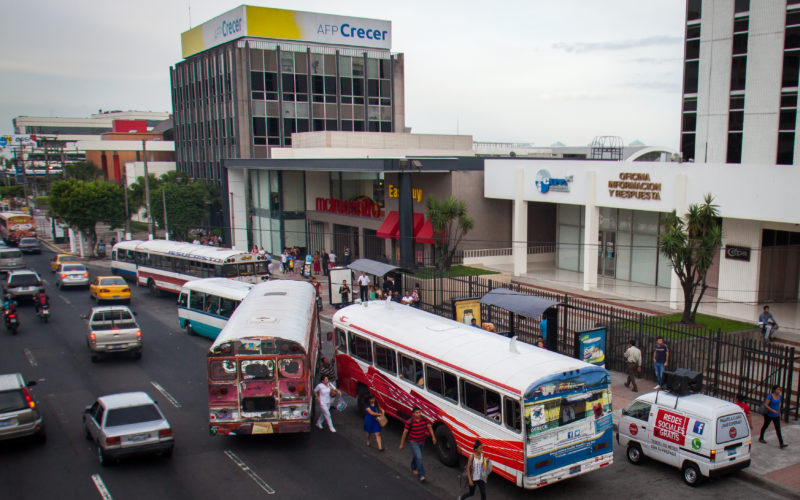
x=701 y=435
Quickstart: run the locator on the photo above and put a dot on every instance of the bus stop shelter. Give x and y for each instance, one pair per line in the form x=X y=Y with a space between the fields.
x=529 y=306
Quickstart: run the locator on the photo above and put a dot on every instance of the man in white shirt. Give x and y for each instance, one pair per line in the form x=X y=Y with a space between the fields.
x=332 y=258
x=633 y=364
x=363 y=286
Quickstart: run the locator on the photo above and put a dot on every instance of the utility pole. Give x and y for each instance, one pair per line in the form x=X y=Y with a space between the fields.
x=128 y=235
x=147 y=193
x=164 y=202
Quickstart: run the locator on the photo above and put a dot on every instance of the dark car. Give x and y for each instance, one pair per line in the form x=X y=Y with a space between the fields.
x=29 y=245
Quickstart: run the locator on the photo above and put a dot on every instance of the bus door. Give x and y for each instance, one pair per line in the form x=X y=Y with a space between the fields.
x=258 y=392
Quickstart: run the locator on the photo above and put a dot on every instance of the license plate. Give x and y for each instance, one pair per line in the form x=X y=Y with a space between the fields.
x=112 y=347
x=732 y=452
x=8 y=423
x=575 y=470
x=117 y=296
x=138 y=437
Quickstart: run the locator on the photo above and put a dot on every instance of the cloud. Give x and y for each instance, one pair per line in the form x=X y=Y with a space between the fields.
x=635 y=43
x=658 y=85
x=575 y=95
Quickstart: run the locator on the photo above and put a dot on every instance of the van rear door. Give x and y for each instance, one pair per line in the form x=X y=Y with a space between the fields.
x=732 y=438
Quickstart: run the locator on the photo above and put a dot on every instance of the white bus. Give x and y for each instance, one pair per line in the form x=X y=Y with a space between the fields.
x=261 y=366
x=123 y=259
x=541 y=416
x=163 y=265
x=205 y=305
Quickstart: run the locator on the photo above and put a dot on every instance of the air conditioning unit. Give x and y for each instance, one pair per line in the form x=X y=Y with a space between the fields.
x=683 y=381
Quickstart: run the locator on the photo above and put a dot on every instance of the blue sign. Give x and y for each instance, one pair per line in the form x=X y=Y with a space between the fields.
x=592 y=345
x=545 y=182
x=3 y=142
x=698 y=427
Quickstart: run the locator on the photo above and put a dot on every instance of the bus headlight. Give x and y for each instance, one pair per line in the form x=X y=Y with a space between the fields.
x=291 y=413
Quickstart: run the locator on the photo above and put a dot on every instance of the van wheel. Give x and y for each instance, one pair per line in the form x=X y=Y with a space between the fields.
x=634 y=454
x=446 y=446
x=189 y=329
x=691 y=474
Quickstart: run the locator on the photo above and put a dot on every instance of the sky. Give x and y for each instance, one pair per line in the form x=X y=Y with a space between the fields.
x=535 y=71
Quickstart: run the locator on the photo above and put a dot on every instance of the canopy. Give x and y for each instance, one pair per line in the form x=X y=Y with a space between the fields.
x=517 y=303
x=390 y=226
x=370 y=266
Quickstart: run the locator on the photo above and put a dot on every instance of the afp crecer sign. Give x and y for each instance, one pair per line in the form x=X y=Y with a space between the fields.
x=737 y=253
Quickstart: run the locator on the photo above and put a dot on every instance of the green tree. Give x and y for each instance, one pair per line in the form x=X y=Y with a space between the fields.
x=690 y=243
x=83 y=204
x=83 y=171
x=450 y=223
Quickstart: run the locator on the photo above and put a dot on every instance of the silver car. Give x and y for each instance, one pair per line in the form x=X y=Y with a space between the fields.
x=19 y=410
x=22 y=283
x=127 y=424
x=29 y=245
x=72 y=274
x=113 y=329
x=10 y=259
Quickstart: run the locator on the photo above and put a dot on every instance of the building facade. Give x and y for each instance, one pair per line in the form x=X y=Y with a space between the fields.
x=741 y=73
x=253 y=76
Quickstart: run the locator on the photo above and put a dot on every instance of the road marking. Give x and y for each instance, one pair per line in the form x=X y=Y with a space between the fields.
x=45 y=282
x=167 y=395
x=101 y=487
x=247 y=470
x=64 y=299
x=31 y=359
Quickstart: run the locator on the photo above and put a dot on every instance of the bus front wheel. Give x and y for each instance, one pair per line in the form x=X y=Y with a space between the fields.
x=190 y=330
x=446 y=446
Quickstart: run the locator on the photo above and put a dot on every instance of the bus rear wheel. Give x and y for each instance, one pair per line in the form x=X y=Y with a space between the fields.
x=154 y=291
x=446 y=446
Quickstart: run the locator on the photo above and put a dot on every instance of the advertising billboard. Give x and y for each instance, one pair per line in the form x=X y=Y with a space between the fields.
x=264 y=22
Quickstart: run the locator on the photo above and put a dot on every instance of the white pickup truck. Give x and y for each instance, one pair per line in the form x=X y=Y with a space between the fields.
x=113 y=329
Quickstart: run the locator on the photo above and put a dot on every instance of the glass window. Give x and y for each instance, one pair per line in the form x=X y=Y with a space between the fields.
x=639 y=410
x=741 y=25
x=227 y=306
x=644 y=257
x=222 y=369
x=687 y=146
x=360 y=347
x=385 y=359
x=483 y=401
x=196 y=300
x=434 y=380
x=341 y=341
x=182 y=299
x=411 y=370
x=736 y=120
x=792 y=18
x=734 y=153
x=787 y=120
x=738 y=73
x=791 y=66
x=693 y=49
x=693 y=31
x=690 y=77
x=739 y=43
x=132 y=415
x=737 y=102
x=512 y=414
x=741 y=6
x=693 y=9
x=258 y=369
x=789 y=100
x=569 y=214
x=290 y=368
x=785 y=148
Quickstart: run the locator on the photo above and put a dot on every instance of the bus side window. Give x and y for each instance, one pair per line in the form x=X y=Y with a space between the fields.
x=211 y=304
x=341 y=341
x=182 y=299
x=385 y=359
x=227 y=306
x=360 y=348
x=217 y=271
x=412 y=370
x=513 y=419
x=433 y=377
x=451 y=387
x=196 y=301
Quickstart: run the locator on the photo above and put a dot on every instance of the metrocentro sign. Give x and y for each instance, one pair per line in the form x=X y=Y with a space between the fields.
x=263 y=22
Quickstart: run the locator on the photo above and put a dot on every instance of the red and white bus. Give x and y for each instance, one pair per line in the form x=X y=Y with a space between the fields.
x=542 y=417
x=261 y=366
x=163 y=265
x=16 y=225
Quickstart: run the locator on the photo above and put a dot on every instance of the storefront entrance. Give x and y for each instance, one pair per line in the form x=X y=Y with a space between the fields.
x=780 y=266
x=607 y=254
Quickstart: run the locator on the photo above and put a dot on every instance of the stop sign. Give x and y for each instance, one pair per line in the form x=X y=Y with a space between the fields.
x=732 y=432
x=634 y=429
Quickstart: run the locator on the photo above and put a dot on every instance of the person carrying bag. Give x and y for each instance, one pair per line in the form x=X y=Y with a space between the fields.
x=478 y=469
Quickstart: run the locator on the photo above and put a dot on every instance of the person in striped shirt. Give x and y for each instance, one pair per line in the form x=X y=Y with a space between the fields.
x=417 y=430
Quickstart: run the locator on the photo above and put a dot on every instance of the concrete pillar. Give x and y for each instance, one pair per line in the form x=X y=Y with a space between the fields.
x=591 y=226
x=327 y=236
x=238 y=208
x=519 y=227
x=406 y=214
x=681 y=207
x=361 y=252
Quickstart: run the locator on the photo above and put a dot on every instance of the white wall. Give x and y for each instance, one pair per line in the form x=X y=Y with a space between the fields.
x=738 y=280
x=236 y=199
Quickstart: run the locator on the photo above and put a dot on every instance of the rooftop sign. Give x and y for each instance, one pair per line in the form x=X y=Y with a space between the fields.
x=263 y=22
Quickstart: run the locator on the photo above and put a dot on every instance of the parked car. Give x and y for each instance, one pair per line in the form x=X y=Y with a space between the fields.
x=113 y=329
x=109 y=288
x=72 y=274
x=10 y=259
x=22 y=283
x=127 y=424
x=29 y=245
x=19 y=410
x=62 y=258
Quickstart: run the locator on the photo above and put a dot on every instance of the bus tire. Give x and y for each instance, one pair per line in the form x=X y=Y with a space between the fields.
x=446 y=446
x=154 y=291
x=189 y=330
x=362 y=400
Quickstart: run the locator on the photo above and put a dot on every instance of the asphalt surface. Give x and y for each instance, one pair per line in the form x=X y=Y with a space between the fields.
x=316 y=465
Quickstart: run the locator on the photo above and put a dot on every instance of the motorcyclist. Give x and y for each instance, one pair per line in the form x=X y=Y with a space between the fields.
x=40 y=300
x=9 y=304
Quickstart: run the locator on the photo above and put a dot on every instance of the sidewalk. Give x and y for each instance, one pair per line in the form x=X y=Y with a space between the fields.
x=771 y=467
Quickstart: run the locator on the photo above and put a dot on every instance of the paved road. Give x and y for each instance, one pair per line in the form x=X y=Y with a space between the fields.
x=319 y=465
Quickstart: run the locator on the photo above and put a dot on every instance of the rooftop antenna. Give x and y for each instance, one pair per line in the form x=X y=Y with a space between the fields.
x=190 y=15
x=512 y=345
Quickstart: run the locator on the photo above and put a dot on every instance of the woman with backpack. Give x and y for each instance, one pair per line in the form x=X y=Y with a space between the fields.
x=478 y=469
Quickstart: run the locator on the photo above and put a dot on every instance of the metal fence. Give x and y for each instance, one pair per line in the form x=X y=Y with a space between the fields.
x=731 y=363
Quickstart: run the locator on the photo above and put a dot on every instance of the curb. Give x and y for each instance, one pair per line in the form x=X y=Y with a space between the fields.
x=769 y=484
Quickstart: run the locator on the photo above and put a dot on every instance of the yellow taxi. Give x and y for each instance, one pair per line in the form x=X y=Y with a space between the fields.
x=61 y=258
x=109 y=288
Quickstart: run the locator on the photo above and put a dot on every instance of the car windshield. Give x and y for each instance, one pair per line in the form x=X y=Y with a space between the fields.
x=10 y=254
x=24 y=280
x=73 y=268
x=132 y=415
x=28 y=241
x=112 y=281
x=12 y=400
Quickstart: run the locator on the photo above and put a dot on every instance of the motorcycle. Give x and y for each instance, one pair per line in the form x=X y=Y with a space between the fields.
x=44 y=313
x=12 y=322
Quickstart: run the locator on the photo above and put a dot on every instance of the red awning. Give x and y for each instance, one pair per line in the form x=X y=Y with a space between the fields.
x=390 y=227
x=425 y=233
